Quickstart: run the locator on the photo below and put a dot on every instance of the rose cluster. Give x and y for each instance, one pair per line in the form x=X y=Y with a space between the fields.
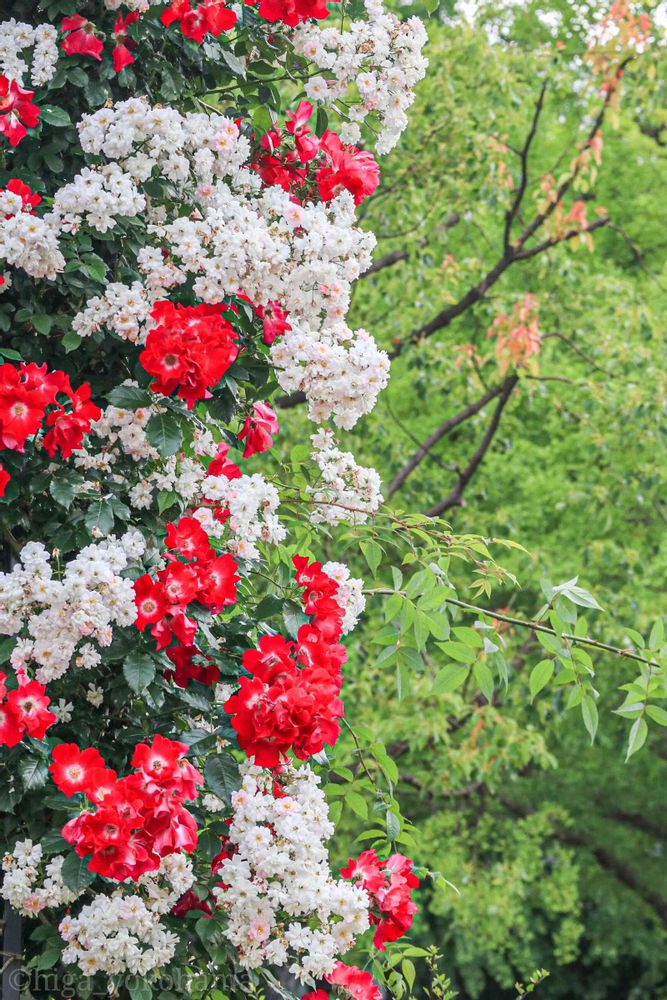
x=290 y=700
x=137 y=819
x=302 y=163
x=24 y=711
x=188 y=350
x=207 y=578
x=389 y=885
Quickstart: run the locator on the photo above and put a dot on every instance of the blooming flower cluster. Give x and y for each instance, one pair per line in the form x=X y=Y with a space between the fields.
x=26 y=393
x=290 y=701
x=283 y=905
x=340 y=371
x=188 y=350
x=306 y=162
x=124 y=309
x=26 y=240
x=15 y=38
x=389 y=885
x=207 y=578
x=89 y=598
x=380 y=55
x=248 y=505
x=25 y=711
x=115 y=934
x=27 y=889
x=353 y=981
x=347 y=491
x=137 y=819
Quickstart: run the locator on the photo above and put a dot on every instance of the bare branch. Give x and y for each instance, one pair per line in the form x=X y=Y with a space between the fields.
x=511 y=213
x=440 y=432
x=455 y=498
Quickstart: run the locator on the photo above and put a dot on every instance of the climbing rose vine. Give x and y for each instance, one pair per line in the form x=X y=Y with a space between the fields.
x=178 y=245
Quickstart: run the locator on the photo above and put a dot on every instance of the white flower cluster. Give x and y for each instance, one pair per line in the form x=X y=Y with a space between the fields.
x=23 y=886
x=350 y=593
x=380 y=56
x=98 y=195
x=163 y=888
x=303 y=256
x=116 y=934
x=15 y=38
x=284 y=906
x=57 y=614
x=29 y=241
x=122 y=308
x=340 y=371
x=181 y=147
x=347 y=491
x=123 y=433
x=252 y=505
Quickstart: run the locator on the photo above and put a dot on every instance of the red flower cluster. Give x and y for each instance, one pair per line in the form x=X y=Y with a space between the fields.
x=291 y=701
x=353 y=980
x=274 y=321
x=211 y=17
x=389 y=884
x=121 y=53
x=25 y=711
x=207 y=578
x=25 y=393
x=138 y=819
x=17 y=112
x=80 y=38
x=257 y=430
x=336 y=166
x=189 y=350
x=292 y=12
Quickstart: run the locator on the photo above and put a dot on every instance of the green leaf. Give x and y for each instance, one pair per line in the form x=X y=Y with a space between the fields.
x=139 y=671
x=589 y=712
x=357 y=804
x=75 y=873
x=458 y=651
x=62 y=491
x=54 y=116
x=34 y=771
x=372 y=554
x=99 y=517
x=657 y=636
x=71 y=341
x=234 y=63
x=95 y=267
x=139 y=989
x=637 y=737
x=393 y=824
x=42 y=322
x=294 y=618
x=164 y=433
x=129 y=397
x=484 y=679
x=449 y=678
x=540 y=675
x=222 y=776
x=657 y=713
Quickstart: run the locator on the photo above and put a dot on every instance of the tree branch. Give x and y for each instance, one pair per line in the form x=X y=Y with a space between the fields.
x=455 y=498
x=511 y=213
x=440 y=432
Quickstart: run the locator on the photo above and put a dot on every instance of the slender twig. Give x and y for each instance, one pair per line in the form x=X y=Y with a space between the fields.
x=439 y=433
x=533 y=626
x=455 y=498
x=512 y=211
